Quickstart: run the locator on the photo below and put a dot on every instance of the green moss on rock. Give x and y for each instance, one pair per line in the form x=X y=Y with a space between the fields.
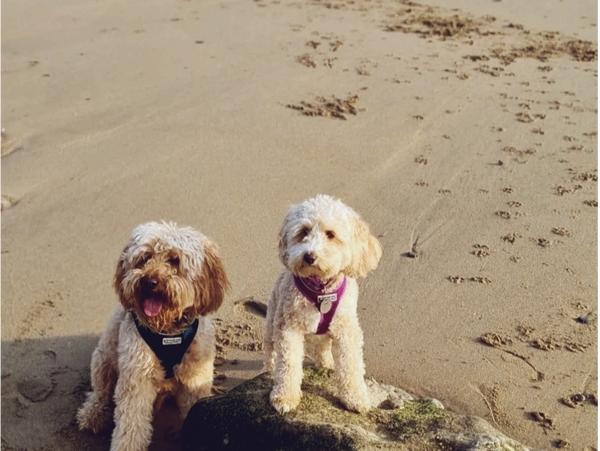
x=243 y=419
x=417 y=417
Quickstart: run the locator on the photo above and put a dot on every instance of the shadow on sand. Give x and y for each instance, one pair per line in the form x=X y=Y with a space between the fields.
x=44 y=382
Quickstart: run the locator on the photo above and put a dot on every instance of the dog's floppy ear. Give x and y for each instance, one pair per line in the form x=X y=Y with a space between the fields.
x=120 y=274
x=366 y=251
x=283 y=240
x=212 y=283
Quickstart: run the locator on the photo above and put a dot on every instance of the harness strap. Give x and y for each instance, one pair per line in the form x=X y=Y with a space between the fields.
x=326 y=303
x=169 y=349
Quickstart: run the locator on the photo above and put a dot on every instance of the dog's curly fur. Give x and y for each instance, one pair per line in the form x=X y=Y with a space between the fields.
x=179 y=269
x=340 y=244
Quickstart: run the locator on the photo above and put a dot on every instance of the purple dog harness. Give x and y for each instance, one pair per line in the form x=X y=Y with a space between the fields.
x=327 y=303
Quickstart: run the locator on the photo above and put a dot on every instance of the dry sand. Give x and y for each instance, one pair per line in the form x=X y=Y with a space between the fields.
x=465 y=133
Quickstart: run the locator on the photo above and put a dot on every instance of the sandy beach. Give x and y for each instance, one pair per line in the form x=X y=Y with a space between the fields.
x=464 y=133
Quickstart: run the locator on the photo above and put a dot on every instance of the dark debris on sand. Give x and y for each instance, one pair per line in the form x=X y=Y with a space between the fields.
x=328 y=107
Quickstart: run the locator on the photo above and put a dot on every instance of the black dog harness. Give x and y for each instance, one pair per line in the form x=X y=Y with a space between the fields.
x=169 y=349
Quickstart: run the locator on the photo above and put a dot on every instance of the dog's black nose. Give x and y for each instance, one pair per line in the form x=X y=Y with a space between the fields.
x=150 y=283
x=309 y=258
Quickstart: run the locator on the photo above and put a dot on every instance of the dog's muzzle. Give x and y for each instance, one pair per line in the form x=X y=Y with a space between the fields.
x=309 y=258
x=151 y=297
x=149 y=284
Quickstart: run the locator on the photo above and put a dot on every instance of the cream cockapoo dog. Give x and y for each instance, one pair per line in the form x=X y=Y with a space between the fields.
x=159 y=341
x=324 y=246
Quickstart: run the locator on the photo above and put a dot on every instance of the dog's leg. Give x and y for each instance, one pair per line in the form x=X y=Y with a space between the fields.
x=349 y=365
x=323 y=355
x=97 y=410
x=269 y=357
x=268 y=345
x=134 y=398
x=96 y=414
x=194 y=386
x=289 y=350
x=191 y=393
x=135 y=393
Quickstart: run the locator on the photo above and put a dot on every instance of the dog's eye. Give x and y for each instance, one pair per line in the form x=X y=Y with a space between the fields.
x=141 y=262
x=303 y=232
x=174 y=261
x=330 y=234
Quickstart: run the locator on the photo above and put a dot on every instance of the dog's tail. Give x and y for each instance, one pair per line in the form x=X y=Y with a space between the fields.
x=252 y=306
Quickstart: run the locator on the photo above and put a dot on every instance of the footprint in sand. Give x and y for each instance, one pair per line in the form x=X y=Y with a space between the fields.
x=36 y=321
x=504 y=214
x=591 y=203
x=511 y=237
x=481 y=250
x=36 y=388
x=306 y=60
x=561 y=231
x=543 y=242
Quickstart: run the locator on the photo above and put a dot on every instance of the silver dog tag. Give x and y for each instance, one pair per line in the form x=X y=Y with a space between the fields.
x=325 y=306
x=325 y=302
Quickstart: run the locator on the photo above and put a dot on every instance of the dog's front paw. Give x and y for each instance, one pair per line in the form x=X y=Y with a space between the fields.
x=93 y=416
x=284 y=403
x=360 y=404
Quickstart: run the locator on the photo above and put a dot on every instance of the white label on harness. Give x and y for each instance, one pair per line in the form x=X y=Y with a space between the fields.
x=327 y=297
x=172 y=341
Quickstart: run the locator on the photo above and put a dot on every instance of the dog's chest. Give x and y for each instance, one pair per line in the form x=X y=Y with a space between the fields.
x=307 y=315
x=312 y=318
x=169 y=349
x=322 y=302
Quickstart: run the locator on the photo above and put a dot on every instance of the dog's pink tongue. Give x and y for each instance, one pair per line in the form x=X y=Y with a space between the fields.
x=152 y=307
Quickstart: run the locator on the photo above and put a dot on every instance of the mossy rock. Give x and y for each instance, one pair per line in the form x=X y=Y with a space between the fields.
x=243 y=419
